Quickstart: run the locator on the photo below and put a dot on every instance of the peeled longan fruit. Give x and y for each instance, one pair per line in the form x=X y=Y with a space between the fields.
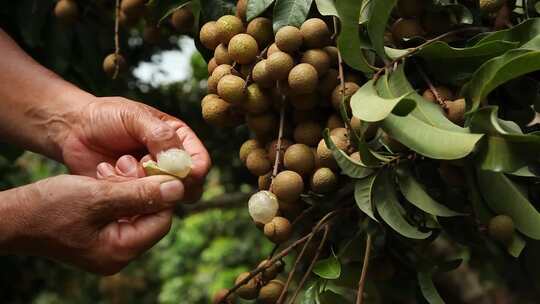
x=241 y=7
x=308 y=133
x=258 y=163
x=220 y=295
x=221 y=55
x=264 y=181
x=109 y=64
x=323 y=181
x=491 y=6
x=247 y=147
x=411 y=8
x=272 y=49
x=270 y=293
x=278 y=65
x=287 y=186
x=133 y=7
x=272 y=149
x=228 y=26
x=289 y=39
x=332 y=52
x=299 y=158
x=501 y=228
x=216 y=112
x=334 y=121
x=212 y=65
x=319 y=59
x=66 y=11
x=406 y=29
x=455 y=110
x=315 y=33
x=271 y=272
x=248 y=291
x=209 y=35
x=231 y=89
x=261 y=29
x=303 y=78
x=350 y=89
x=443 y=92
x=262 y=124
x=256 y=101
x=261 y=76
x=328 y=82
x=217 y=74
x=182 y=19
x=243 y=49
x=151 y=34
x=278 y=230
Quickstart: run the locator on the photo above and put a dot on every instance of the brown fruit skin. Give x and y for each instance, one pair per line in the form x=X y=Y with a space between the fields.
x=270 y=293
x=350 y=89
x=455 y=111
x=299 y=158
x=272 y=49
x=257 y=101
x=324 y=154
x=328 y=83
x=241 y=7
x=66 y=11
x=231 y=89
x=217 y=74
x=319 y=59
x=287 y=186
x=289 y=39
x=212 y=65
x=291 y=210
x=315 y=33
x=151 y=34
x=261 y=29
x=133 y=7
x=334 y=121
x=264 y=181
x=220 y=295
x=209 y=35
x=243 y=49
x=262 y=124
x=303 y=79
x=501 y=228
x=278 y=230
x=323 y=181
x=411 y=8
x=182 y=19
x=261 y=76
x=332 y=53
x=248 y=291
x=258 y=163
x=304 y=102
x=109 y=64
x=443 y=92
x=271 y=147
x=247 y=147
x=228 y=26
x=127 y=21
x=278 y=65
x=271 y=272
x=308 y=133
x=221 y=55
x=406 y=28
x=216 y=112
x=491 y=6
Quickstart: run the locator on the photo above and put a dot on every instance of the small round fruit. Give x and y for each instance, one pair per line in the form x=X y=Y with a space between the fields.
x=243 y=49
x=278 y=230
x=182 y=19
x=228 y=26
x=241 y=8
x=289 y=39
x=261 y=29
x=247 y=147
x=319 y=59
x=334 y=121
x=110 y=62
x=340 y=137
x=264 y=181
x=406 y=29
x=337 y=94
x=278 y=65
x=209 y=35
x=216 y=112
x=217 y=74
x=212 y=65
x=263 y=206
x=332 y=52
x=315 y=33
x=287 y=186
x=328 y=82
x=175 y=161
x=323 y=181
x=308 y=133
x=303 y=78
x=299 y=158
x=501 y=228
x=258 y=163
x=304 y=102
x=256 y=101
x=291 y=210
x=272 y=149
x=491 y=6
x=231 y=89
x=261 y=76
x=270 y=293
x=219 y=297
x=443 y=92
x=324 y=155
x=151 y=34
x=133 y=7
x=272 y=49
x=411 y=8
x=221 y=55
x=271 y=272
x=262 y=124
x=455 y=111
x=66 y=11
x=248 y=291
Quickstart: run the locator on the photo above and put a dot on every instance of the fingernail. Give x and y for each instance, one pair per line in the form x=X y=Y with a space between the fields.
x=105 y=170
x=172 y=190
x=127 y=165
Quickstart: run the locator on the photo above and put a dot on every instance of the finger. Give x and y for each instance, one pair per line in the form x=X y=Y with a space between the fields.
x=128 y=166
x=104 y=170
x=199 y=154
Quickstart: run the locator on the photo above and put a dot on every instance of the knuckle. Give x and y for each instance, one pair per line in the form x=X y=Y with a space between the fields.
x=163 y=131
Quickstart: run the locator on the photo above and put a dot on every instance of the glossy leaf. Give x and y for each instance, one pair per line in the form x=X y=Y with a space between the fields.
x=428 y=289
x=164 y=8
x=256 y=8
x=348 y=166
x=380 y=12
x=290 y=12
x=326 y=7
x=516 y=246
x=329 y=268
x=520 y=33
x=363 y=190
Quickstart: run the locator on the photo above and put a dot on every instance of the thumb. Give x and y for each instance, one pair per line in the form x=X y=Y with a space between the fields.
x=140 y=196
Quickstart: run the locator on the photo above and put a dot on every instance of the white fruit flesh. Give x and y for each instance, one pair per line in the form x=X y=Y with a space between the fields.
x=263 y=206
x=174 y=161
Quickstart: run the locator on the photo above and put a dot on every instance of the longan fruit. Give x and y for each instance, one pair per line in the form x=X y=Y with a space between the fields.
x=272 y=49
x=289 y=39
x=340 y=138
x=304 y=102
x=334 y=121
x=303 y=78
x=216 y=112
x=328 y=83
x=221 y=55
x=323 y=181
x=443 y=92
x=315 y=33
x=243 y=48
x=271 y=272
x=256 y=101
x=66 y=11
x=501 y=228
x=209 y=35
x=272 y=149
x=231 y=89
x=291 y=210
x=406 y=29
x=278 y=65
x=151 y=34
x=241 y=8
x=270 y=293
x=324 y=155
x=455 y=111
x=247 y=147
x=261 y=29
x=182 y=19
x=287 y=186
x=332 y=52
x=308 y=133
x=318 y=58
x=228 y=26
x=220 y=295
x=262 y=124
x=261 y=76
x=264 y=181
x=248 y=291
x=133 y=7
x=357 y=126
x=208 y=97
x=299 y=158
x=127 y=21
x=350 y=89
x=109 y=64
x=217 y=74
x=258 y=163
x=212 y=65
x=491 y=6
x=411 y=8
x=278 y=230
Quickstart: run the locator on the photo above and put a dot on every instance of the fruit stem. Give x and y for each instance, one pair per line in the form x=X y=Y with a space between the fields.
x=432 y=88
x=250 y=75
x=362 y=282
x=116 y=40
x=280 y=135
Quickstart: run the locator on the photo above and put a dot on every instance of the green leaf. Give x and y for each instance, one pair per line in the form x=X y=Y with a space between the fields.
x=257 y=7
x=520 y=33
x=380 y=12
x=516 y=246
x=386 y=202
x=504 y=197
x=416 y=195
x=164 y=8
x=348 y=165
x=329 y=268
x=368 y=106
x=326 y=7
x=290 y=12
x=349 y=40
x=363 y=189
x=428 y=289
